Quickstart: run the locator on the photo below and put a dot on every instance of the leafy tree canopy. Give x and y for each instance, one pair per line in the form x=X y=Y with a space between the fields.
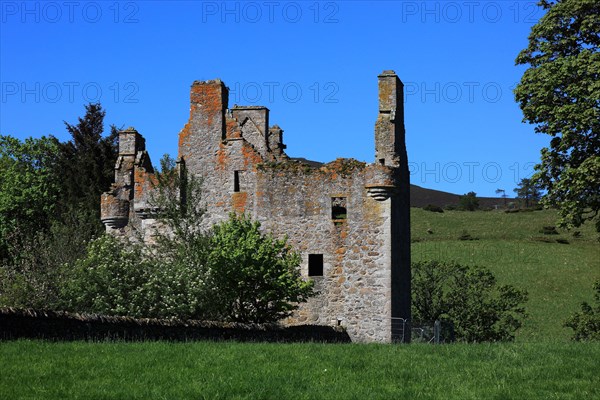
x=29 y=186
x=470 y=297
x=255 y=277
x=88 y=161
x=560 y=94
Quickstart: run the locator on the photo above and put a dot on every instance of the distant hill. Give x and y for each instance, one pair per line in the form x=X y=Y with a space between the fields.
x=420 y=197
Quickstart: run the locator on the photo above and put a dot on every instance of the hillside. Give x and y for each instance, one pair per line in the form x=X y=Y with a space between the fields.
x=420 y=197
x=558 y=276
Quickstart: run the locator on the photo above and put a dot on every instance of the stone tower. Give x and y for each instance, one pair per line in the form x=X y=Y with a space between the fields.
x=390 y=150
x=348 y=219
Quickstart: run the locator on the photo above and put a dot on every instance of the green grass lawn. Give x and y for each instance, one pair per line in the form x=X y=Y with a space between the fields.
x=206 y=370
x=557 y=276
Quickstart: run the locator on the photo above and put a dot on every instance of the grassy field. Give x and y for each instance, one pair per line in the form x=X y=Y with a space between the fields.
x=558 y=276
x=205 y=370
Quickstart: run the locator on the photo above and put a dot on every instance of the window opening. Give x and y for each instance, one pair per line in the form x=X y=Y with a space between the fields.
x=315 y=265
x=236 y=181
x=338 y=208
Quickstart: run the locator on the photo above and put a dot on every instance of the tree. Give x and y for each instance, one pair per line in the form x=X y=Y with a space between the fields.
x=253 y=276
x=29 y=187
x=560 y=94
x=528 y=191
x=468 y=202
x=176 y=199
x=87 y=164
x=480 y=309
x=586 y=323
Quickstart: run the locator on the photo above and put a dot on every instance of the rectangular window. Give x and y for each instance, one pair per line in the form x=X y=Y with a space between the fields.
x=236 y=181
x=315 y=265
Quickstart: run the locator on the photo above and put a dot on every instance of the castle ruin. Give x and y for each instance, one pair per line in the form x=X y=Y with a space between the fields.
x=348 y=219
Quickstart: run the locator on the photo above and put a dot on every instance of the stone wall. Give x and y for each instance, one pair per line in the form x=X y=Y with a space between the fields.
x=50 y=325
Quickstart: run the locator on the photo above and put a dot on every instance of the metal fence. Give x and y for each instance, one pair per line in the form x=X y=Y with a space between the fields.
x=400 y=330
x=435 y=332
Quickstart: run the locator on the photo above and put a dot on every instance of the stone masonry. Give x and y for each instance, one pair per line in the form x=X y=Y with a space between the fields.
x=348 y=219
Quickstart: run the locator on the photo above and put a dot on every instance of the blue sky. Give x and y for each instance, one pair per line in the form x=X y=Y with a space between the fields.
x=313 y=64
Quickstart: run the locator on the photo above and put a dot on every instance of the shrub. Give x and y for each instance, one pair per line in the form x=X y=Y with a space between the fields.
x=468 y=202
x=253 y=277
x=119 y=277
x=241 y=274
x=108 y=280
x=480 y=309
x=586 y=323
x=32 y=274
x=433 y=208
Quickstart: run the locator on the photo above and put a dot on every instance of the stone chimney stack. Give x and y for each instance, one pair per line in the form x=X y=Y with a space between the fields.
x=206 y=127
x=390 y=149
x=276 y=142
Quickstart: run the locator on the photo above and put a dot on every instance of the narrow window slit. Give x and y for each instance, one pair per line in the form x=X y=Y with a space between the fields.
x=236 y=181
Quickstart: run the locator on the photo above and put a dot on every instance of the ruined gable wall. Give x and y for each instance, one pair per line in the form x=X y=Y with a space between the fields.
x=354 y=291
